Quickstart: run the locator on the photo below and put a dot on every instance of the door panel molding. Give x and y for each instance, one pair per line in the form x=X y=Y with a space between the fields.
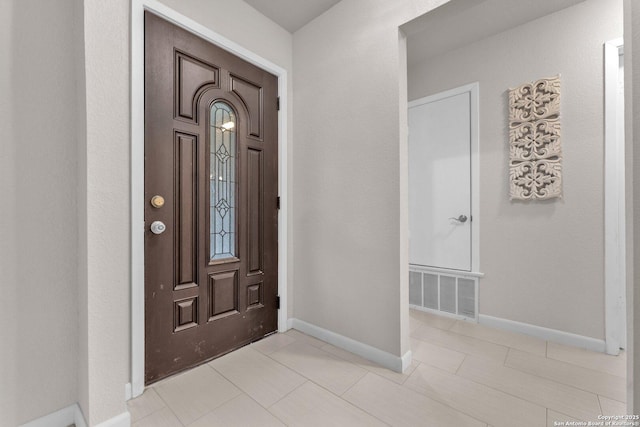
x=138 y=8
x=217 y=173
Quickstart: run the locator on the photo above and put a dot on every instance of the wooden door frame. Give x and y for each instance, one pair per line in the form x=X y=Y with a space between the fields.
x=138 y=7
x=614 y=210
x=474 y=93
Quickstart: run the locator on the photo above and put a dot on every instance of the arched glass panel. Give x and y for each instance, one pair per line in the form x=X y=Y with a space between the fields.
x=222 y=178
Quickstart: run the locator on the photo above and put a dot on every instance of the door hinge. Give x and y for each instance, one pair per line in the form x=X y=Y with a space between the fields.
x=278 y=103
x=278 y=202
x=278 y=302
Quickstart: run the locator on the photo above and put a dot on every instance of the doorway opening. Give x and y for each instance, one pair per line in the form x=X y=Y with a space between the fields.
x=444 y=202
x=138 y=8
x=538 y=258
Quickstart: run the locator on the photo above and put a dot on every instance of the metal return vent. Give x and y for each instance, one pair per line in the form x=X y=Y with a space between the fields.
x=444 y=293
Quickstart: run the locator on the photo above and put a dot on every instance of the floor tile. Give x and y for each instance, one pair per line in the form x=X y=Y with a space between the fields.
x=462 y=374
x=585 y=379
x=194 y=393
x=299 y=336
x=327 y=370
x=241 y=411
x=479 y=401
x=461 y=343
x=311 y=405
x=614 y=365
x=612 y=407
x=433 y=320
x=497 y=336
x=272 y=343
x=550 y=394
x=162 y=418
x=262 y=378
x=400 y=406
x=436 y=355
x=396 y=377
x=555 y=419
x=145 y=404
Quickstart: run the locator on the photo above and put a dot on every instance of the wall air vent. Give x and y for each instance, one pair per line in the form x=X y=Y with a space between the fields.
x=451 y=293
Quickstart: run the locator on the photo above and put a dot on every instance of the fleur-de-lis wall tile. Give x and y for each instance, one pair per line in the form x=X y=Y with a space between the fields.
x=535 y=151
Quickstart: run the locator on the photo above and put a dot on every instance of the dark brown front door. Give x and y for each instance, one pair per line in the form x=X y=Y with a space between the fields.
x=211 y=215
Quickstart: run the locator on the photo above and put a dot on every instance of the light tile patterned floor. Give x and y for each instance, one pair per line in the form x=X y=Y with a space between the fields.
x=462 y=374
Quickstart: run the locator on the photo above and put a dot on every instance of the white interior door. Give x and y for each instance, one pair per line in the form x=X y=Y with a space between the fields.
x=440 y=182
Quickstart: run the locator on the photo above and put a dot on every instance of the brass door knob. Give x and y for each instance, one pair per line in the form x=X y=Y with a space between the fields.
x=157 y=201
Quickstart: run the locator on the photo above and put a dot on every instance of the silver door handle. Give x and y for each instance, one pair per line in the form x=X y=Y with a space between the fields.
x=158 y=227
x=461 y=219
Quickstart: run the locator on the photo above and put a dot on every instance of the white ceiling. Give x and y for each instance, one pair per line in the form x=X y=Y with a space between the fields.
x=292 y=14
x=460 y=22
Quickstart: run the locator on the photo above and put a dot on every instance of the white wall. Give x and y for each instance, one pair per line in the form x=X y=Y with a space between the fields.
x=104 y=206
x=38 y=247
x=543 y=261
x=350 y=201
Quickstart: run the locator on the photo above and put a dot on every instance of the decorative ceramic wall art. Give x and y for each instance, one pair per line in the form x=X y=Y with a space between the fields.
x=535 y=152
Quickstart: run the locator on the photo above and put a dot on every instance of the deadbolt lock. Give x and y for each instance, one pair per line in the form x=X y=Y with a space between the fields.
x=157 y=201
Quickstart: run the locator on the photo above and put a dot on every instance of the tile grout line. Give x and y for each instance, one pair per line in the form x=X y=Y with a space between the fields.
x=166 y=405
x=502 y=344
x=522 y=398
x=152 y=412
x=600 y=404
x=312 y=381
x=406 y=387
x=460 y=365
x=566 y=415
x=287 y=394
x=481 y=384
x=594 y=371
x=444 y=345
x=356 y=406
x=602 y=371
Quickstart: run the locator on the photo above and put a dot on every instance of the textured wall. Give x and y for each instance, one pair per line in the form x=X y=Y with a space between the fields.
x=104 y=204
x=543 y=261
x=350 y=201
x=38 y=247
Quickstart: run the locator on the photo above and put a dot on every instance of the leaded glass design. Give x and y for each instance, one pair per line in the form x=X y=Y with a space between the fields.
x=222 y=179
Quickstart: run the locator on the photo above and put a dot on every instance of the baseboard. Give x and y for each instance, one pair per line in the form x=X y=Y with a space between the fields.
x=442 y=313
x=122 y=420
x=547 y=334
x=72 y=414
x=406 y=360
x=382 y=358
x=61 y=418
x=289 y=325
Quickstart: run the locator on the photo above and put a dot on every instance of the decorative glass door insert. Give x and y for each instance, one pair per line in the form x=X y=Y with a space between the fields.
x=222 y=178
